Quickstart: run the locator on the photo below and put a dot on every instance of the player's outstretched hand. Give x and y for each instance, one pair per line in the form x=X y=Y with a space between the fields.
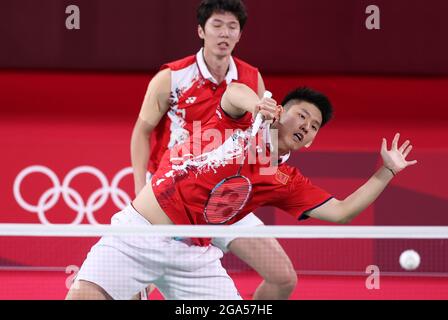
x=395 y=158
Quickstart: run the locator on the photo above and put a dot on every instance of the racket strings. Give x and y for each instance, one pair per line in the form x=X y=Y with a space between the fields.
x=227 y=199
x=230 y=195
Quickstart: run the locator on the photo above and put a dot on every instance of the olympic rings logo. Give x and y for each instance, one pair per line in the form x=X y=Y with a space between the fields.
x=72 y=197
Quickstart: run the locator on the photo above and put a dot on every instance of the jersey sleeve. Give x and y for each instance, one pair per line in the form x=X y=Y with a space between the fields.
x=303 y=197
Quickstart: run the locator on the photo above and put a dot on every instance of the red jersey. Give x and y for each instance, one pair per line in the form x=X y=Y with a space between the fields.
x=195 y=95
x=185 y=177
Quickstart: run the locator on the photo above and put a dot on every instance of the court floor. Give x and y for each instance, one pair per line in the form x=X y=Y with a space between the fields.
x=51 y=285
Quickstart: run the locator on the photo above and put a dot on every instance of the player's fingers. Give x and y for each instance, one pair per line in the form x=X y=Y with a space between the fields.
x=410 y=163
x=269 y=101
x=267 y=115
x=272 y=106
x=271 y=109
x=384 y=145
x=404 y=146
x=395 y=141
x=407 y=151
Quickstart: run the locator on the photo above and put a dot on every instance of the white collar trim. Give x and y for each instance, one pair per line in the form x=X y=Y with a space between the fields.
x=232 y=73
x=284 y=158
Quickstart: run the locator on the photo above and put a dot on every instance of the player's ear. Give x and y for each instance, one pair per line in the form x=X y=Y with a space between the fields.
x=201 y=32
x=281 y=112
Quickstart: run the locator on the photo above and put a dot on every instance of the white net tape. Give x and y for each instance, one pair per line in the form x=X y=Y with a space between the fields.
x=285 y=232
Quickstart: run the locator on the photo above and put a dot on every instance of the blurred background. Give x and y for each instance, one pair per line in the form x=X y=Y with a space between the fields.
x=69 y=100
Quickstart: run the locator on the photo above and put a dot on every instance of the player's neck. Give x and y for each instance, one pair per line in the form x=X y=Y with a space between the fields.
x=218 y=66
x=282 y=151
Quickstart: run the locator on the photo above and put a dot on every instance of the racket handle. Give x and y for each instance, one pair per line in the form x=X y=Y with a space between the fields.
x=259 y=119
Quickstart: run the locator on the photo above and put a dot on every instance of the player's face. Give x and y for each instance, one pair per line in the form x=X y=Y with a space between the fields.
x=220 y=34
x=299 y=126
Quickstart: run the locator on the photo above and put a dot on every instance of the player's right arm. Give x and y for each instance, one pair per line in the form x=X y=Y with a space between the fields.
x=261 y=87
x=239 y=99
x=154 y=107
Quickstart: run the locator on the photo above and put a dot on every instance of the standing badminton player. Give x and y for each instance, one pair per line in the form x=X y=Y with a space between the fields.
x=189 y=90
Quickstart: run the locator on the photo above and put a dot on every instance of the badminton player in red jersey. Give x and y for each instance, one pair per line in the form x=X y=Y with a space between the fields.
x=179 y=189
x=183 y=182
x=189 y=90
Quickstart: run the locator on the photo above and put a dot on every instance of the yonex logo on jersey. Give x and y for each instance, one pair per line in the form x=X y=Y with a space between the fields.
x=190 y=100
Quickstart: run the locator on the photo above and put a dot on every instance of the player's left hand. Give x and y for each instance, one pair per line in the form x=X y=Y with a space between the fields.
x=395 y=158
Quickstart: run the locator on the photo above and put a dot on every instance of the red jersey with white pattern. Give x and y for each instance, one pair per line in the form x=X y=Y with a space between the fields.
x=187 y=173
x=195 y=96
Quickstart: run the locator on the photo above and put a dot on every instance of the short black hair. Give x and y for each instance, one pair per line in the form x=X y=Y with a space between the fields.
x=311 y=96
x=208 y=7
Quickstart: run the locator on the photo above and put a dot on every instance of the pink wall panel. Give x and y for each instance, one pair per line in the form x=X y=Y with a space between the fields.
x=65 y=121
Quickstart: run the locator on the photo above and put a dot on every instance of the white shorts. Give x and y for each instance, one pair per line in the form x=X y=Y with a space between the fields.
x=251 y=220
x=124 y=265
